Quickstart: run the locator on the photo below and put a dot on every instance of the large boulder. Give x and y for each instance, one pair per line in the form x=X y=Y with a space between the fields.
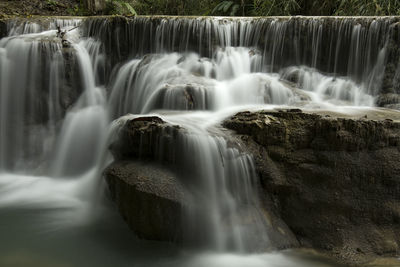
x=334 y=181
x=3 y=28
x=190 y=96
x=149 y=198
x=154 y=200
x=145 y=138
x=148 y=194
x=388 y=101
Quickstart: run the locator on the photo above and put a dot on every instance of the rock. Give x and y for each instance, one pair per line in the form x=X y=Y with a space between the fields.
x=296 y=130
x=66 y=43
x=393 y=106
x=146 y=138
x=50 y=102
x=3 y=28
x=149 y=198
x=335 y=182
x=190 y=96
x=71 y=86
x=388 y=100
x=141 y=139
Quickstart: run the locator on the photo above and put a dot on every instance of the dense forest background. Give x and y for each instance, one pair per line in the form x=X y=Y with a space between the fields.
x=201 y=7
x=267 y=7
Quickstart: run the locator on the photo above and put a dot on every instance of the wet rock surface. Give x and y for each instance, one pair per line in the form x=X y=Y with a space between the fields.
x=71 y=85
x=3 y=29
x=148 y=195
x=51 y=64
x=326 y=183
x=145 y=138
x=188 y=96
x=335 y=182
x=149 y=198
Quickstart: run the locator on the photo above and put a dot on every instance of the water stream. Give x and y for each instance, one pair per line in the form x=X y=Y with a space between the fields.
x=57 y=105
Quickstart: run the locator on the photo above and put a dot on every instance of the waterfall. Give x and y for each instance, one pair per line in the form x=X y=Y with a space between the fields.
x=344 y=46
x=57 y=104
x=223 y=211
x=23 y=100
x=53 y=133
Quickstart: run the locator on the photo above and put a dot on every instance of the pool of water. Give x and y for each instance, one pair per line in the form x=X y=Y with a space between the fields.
x=38 y=238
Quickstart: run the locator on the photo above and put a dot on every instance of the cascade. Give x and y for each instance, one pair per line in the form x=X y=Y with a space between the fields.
x=61 y=106
x=44 y=134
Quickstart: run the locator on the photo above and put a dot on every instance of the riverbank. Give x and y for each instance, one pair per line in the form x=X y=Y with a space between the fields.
x=27 y=8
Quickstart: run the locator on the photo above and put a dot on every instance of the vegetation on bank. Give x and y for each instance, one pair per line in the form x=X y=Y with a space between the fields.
x=267 y=7
x=202 y=7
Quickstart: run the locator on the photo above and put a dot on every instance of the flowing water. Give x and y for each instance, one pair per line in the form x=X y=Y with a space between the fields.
x=57 y=105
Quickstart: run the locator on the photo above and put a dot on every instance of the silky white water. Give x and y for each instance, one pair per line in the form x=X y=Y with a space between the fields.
x=64 y=155
x=55 y=131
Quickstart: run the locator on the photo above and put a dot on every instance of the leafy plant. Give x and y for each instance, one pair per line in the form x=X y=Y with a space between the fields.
x=275 y=7
x=51 y=3
x=226 y=8
x=78 y=10
x=120 y=7
x=130 y=8
x=173 y=7
x=368 y=8
x=256 y=7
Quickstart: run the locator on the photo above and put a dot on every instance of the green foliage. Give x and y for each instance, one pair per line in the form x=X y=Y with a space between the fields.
x=78 y=10
x=130 y=8
x=368 y=8
x=256 y=7
x=51 y=2
x=120 y=7
x=173 y=7
x=226 y=8
x=275 y=7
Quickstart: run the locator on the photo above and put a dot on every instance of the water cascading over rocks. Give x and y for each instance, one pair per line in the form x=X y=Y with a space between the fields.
x=39 y=82
x=168 y=83
x=362 y=49
x=47 y=93
x=215 y=195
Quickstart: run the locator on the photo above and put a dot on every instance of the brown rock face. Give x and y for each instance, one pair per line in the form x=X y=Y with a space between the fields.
x=335 y=182
x=3 y=29
x=149 y=198
x=153 y=200
x=389 y=101
x=186 y=97
x=71 y=84
x=145 y=138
